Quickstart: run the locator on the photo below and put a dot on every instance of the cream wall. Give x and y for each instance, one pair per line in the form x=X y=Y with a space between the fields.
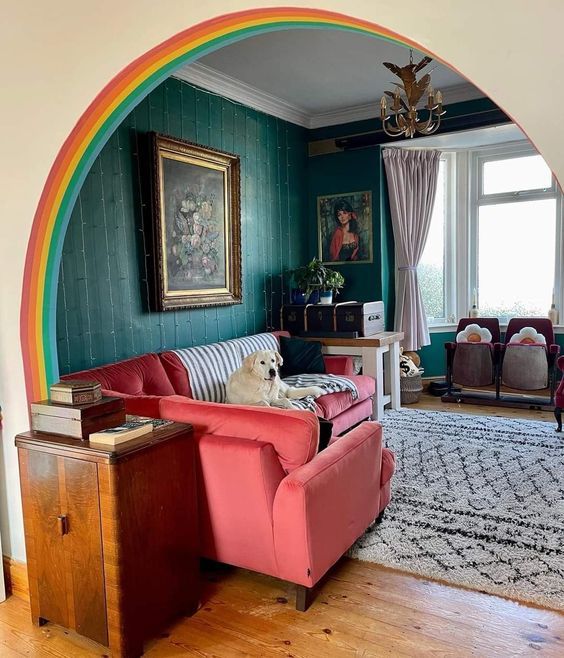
x=57 y=56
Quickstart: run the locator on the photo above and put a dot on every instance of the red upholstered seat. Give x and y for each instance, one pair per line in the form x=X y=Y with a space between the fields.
x=141 y=375
x=333 y=404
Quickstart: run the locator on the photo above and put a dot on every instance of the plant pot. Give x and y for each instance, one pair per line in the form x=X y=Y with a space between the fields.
x=326 y=297
x=314 y=297
x=297 y=296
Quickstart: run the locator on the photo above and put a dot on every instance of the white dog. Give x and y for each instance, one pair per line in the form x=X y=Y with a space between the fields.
x=257 y=382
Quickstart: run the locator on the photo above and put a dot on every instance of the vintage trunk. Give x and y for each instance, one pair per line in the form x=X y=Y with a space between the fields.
x=292 y=318
x=367 y=318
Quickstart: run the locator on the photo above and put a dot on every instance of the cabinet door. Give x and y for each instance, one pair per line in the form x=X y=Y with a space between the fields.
x=44 y=541
x=83 y=547
x=63 y=538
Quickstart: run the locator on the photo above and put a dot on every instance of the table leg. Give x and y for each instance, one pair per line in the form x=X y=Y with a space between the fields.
x=373 y=366
x=394 y=375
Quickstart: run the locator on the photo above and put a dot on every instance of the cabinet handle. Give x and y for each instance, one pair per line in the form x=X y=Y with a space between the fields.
x=62 y=523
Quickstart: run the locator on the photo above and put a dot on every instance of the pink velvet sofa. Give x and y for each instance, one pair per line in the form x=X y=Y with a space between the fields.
x=268 y=500
x=143 y=380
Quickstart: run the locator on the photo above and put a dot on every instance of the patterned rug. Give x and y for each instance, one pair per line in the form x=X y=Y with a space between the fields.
x=477 y=501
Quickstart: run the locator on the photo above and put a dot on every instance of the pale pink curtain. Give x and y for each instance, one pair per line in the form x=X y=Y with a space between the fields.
x=412 y=184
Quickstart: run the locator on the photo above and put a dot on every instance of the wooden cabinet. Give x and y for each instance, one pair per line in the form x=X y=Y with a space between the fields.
x=111 y=534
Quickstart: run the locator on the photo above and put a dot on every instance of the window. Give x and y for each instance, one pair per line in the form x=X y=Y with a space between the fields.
x=496 y=228
x=514 y=227
x=434 y=269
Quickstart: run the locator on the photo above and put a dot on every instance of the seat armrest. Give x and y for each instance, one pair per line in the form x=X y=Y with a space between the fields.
x=561 y=363
x=138 y=405
x=321 y=508
x=553 y=352
x=294 y=434
x=339 y=365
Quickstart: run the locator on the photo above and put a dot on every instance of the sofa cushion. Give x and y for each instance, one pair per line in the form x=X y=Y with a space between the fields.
x=333 y=404
x=246 y=345
x=301 y=357
x=141 y=375
x=177 y=373
x=209 y=368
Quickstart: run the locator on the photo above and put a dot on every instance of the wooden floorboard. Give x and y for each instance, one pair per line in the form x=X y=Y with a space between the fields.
x=362 y=610
x=432 y=403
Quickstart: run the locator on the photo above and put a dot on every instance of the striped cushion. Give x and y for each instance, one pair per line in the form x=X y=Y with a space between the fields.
x=249 y=344
x=209 y=367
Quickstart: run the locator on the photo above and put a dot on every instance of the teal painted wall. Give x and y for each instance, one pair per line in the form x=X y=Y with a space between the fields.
x=356 y=171
x=102 y=308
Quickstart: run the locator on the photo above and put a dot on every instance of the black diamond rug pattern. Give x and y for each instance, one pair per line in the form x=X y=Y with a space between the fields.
x=477 y=501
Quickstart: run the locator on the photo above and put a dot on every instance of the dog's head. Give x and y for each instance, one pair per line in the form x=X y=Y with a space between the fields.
x=263 y=364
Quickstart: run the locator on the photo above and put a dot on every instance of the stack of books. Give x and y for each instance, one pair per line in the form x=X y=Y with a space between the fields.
x=79 y=420
x=75 y=391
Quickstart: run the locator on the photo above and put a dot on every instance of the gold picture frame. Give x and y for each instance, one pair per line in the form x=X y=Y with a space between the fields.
x=196 y=225
x=344 y=227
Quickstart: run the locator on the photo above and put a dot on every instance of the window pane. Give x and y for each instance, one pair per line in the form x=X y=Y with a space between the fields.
x=431 y=268
x=516 y=258
x=514 y=174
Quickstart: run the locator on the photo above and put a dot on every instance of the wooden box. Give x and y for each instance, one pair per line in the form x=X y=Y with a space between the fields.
x=78 y=421
x=367 y=318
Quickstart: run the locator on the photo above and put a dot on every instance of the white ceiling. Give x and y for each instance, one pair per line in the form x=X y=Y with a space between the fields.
x=315 y=77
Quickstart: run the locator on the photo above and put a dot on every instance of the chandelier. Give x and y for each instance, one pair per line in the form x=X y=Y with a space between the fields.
x=406 y=120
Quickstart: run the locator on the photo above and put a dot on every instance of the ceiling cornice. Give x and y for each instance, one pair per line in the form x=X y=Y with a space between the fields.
x=236 y=90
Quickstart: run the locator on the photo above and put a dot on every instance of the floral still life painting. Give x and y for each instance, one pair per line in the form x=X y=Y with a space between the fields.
x=197 y=225
x=344 y=224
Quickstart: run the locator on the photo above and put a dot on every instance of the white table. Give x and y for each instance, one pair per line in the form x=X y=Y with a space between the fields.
x=380 y=359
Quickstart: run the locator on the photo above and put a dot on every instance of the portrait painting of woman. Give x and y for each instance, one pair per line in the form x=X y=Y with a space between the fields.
x=345 y=227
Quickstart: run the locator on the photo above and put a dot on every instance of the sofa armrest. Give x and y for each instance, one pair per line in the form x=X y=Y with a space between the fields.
x=294 y=434
x=321 y=508
x=237 y=482
x=138 y=405
x=339 y=365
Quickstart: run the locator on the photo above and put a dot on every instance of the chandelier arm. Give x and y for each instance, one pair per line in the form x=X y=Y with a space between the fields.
x=430 y=126
x=390 y=130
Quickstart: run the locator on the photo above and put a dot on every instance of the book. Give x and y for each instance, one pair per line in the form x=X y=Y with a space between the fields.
x=157 y=422
x=75 y=391
x=113 y=436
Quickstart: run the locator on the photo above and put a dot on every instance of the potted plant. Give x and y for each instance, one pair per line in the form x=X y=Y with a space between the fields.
x=315 y=280
x=332 y=284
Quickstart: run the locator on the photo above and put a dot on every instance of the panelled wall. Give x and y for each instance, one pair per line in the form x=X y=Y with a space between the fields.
x=102 y=309
x=358 y=171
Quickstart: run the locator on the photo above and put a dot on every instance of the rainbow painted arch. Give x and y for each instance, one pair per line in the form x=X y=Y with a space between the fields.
x=105 y=113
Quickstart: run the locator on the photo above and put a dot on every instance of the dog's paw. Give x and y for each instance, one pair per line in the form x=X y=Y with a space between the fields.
x=282 y=403
x=317 y=391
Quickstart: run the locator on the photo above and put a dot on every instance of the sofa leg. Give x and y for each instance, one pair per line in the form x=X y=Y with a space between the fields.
x=304 y=597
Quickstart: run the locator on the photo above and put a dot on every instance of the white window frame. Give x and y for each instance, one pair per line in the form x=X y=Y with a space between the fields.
x=449 y=245
x=464 y=196
x=476 y=198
